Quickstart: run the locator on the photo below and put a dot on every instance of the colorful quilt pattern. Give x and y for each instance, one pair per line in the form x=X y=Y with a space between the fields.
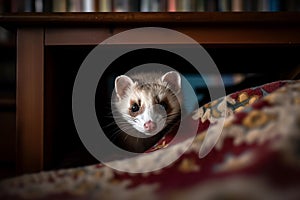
x=256 y=157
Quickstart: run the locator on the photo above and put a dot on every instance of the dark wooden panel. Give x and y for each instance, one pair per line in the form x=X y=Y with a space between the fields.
x=226 y=35
x=218 y=35
x=87 y=19
x=30 y=99
x=7 y=137
x=76 y=36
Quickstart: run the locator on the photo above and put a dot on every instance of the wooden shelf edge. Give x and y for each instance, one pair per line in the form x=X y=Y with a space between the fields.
x=84 y=19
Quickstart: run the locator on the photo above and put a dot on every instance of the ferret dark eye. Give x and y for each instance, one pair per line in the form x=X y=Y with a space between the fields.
x=135 y=108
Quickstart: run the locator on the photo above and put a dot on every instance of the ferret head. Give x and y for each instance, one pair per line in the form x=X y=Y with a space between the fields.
x=149 y=106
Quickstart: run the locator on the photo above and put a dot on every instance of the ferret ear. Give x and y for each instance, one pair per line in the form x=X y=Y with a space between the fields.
x=122 y=83
x=173 y=81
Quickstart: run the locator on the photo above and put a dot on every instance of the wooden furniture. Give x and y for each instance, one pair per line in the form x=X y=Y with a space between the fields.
x=36 y=32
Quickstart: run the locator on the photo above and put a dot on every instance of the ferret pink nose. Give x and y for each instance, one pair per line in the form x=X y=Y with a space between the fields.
x=150 y=126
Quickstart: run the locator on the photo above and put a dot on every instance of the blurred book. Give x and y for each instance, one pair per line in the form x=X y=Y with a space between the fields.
x=237 y=5
x=274 y=5
x=104 y=5
x=59 y=6
x=172 y=6
x=38 y=5
x=263 y=5
x=134 y=5
x=148 y=5
x=74 y=6
x=200 y=5
x=153 y=5
x=224 y=5
x=251 y=5
x=145 y=5
x=186 y=5
x=121 y=5
x=211 y=5
x=292 y=5
x=24 y=5
x=88 y=6
x=47 y=6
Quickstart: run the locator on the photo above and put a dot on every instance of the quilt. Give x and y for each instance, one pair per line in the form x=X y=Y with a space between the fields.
x=256 y=156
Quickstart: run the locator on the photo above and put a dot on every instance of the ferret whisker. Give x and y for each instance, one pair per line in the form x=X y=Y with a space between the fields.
x=173 y=114
x=114 y=135
x=109 y=125
x=125 y=137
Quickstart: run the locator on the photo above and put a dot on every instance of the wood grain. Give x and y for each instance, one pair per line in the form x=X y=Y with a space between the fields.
x=30 y=99
x=88 y=19
x=76 y=36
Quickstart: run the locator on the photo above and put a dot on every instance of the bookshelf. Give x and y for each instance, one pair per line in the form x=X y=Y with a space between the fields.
x=16 y=6
x=51 y=46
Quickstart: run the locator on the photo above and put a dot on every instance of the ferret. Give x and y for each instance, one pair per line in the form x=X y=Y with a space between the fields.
x=147 y=103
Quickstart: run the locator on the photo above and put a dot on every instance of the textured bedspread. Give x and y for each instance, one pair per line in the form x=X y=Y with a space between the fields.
x=257 y=156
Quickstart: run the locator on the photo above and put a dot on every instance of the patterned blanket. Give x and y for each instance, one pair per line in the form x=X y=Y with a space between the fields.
x=255 y=157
